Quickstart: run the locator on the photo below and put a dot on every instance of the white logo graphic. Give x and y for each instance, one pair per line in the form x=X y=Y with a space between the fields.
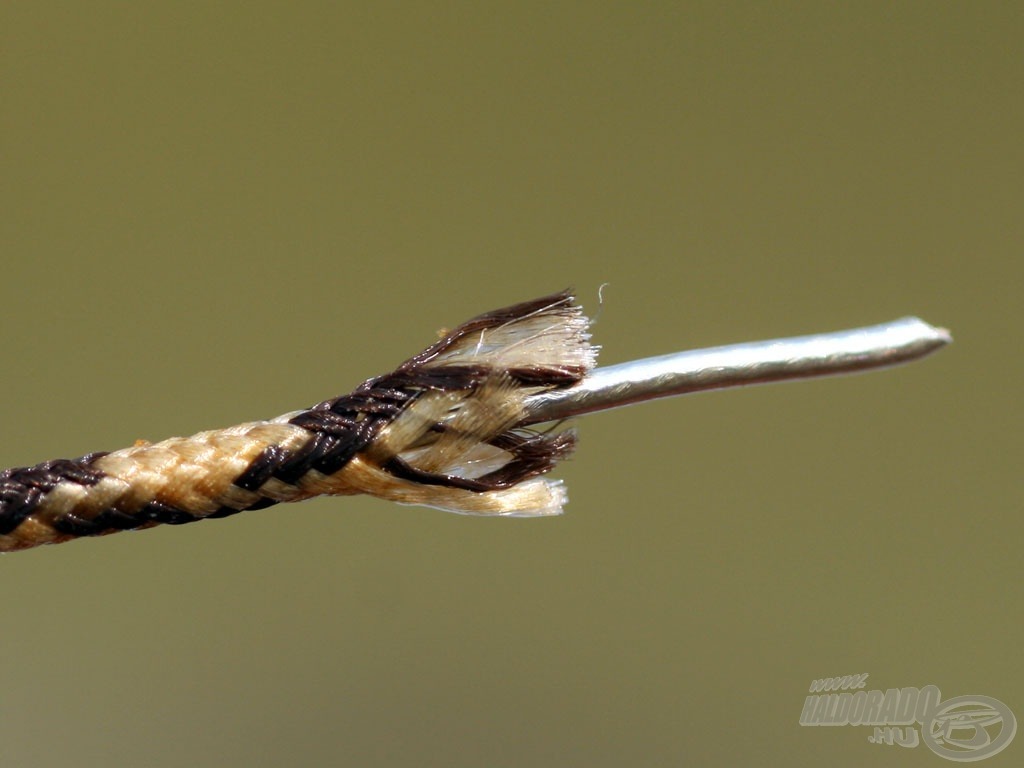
x=963 y=729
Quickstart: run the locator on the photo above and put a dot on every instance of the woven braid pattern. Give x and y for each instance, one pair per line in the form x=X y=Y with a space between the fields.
x=332 y=433
x=334 y=447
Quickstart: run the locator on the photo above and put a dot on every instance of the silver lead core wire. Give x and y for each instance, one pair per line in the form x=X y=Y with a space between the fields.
x=737 y=365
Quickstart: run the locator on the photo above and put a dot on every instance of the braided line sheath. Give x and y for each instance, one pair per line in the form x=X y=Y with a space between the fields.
x=442 y=430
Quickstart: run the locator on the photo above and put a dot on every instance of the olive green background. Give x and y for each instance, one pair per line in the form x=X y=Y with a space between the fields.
x=219 y=212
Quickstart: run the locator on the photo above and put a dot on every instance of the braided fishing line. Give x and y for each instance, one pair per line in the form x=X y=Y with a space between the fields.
x=440 y=430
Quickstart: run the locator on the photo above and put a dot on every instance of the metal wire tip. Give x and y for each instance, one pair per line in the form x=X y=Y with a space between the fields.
x=736 y=365
x=451 y=427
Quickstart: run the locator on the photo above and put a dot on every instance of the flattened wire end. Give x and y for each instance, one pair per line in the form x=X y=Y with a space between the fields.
x=942 y=336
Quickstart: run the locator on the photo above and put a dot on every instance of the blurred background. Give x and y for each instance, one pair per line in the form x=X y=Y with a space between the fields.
x=218 y=212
